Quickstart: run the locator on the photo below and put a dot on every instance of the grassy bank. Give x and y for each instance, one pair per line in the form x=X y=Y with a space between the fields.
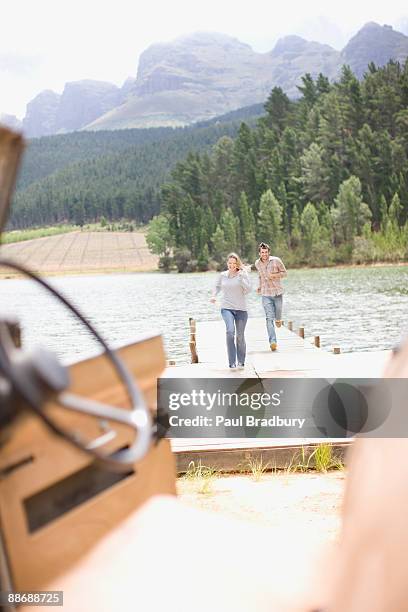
x=54 y=230
x=40 y=232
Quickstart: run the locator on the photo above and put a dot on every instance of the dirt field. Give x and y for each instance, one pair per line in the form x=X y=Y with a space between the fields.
x=306 y=504
x=80 y=252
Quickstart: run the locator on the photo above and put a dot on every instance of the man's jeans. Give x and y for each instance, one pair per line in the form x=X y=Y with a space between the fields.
x=235 y=320
x=273 y=310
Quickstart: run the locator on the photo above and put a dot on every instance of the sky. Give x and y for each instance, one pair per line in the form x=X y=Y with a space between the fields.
x=46 y=43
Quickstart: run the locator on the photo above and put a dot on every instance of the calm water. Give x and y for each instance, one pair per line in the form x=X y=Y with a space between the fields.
x=356 y=309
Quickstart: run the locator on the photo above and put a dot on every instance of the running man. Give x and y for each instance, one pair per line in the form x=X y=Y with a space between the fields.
x=271 y=270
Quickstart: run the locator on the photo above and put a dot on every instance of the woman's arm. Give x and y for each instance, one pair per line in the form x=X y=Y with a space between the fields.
x=217 y=289
x=245 y=281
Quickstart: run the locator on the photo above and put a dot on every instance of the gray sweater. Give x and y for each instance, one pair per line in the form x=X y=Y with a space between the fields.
x=233 y=290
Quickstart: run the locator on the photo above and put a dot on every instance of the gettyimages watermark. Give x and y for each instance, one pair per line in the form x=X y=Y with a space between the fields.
x=283 y=408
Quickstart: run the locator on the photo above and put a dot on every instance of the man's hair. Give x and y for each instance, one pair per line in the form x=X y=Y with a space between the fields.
x=263 y=245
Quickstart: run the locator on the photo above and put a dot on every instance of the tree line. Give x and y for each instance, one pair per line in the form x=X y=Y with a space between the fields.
x=323 y=179
x=84 y=176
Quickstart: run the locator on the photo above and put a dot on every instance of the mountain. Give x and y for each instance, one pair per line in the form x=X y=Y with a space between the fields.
x=41 y=114
x=11 y=121
x=83 y=101
x=374 y=43
x=80 y=103
x=202 y=75
x=191 y=79
x=293 y=56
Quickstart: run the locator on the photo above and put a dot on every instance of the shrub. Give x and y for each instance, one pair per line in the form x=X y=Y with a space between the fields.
x=182 y=260
x=364 y=250
x=165 y=263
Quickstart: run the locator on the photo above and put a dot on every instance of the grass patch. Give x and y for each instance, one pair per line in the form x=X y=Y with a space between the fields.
x=44 y=232
x=256 y=467
x=321 y=459
x=202 y=476
x=40 y=232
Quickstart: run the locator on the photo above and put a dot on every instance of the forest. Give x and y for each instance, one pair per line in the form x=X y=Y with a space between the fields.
x=83 y=176
x=323 y=179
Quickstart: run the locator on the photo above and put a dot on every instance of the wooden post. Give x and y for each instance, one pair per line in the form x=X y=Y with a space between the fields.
x=193 y=351
x=317 y=341
x=302 y=332
x=290 y=325
x=336 y=350
x=193 y=346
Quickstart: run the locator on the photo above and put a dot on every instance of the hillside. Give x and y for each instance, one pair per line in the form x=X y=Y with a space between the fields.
x=202 y=75
x=46 y=155
x=85 y=175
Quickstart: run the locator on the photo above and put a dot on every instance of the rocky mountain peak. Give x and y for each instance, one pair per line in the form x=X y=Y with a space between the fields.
x=289 y=44
x=41 y=114
x=83 y=101
x=374 y=43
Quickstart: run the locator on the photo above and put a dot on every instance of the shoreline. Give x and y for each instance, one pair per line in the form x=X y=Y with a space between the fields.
x=10 y=275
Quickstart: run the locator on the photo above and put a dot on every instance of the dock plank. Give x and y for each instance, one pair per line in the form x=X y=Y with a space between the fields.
x=295 y=358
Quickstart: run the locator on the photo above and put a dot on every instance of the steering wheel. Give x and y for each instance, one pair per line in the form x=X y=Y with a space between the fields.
x=34 y=377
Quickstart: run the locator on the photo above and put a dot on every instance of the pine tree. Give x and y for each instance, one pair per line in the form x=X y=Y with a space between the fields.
x=247 y=227
x=394 y=212
x=314 y=177
x=230 y=226
x=350 y=101
x=351 y=213
x=383 y=208
x=308 y=90
x=296 y=232
x=219 y=249
x=270 y=220
x=278 y=108
x=309 y=222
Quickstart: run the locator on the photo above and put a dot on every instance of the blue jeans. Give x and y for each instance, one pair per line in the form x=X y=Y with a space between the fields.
x=235 y=320
x=272 y=305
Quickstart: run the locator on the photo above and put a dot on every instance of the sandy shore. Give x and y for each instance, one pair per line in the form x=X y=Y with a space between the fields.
x=308 y=503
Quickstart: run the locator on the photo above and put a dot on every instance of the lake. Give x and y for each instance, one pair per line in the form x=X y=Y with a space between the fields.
x=358 y=309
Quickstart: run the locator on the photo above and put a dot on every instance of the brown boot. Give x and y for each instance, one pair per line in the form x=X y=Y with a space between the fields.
x=274 y=346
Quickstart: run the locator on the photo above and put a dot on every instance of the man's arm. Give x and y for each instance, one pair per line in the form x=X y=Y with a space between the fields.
x=281 y=270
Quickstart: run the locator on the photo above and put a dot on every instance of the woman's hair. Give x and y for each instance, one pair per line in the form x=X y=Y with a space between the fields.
x=237 y=258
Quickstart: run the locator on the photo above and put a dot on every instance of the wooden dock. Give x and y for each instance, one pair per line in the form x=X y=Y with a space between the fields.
x=296 y=357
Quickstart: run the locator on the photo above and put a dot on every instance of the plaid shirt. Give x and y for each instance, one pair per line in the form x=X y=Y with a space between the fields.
x=270 y=286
